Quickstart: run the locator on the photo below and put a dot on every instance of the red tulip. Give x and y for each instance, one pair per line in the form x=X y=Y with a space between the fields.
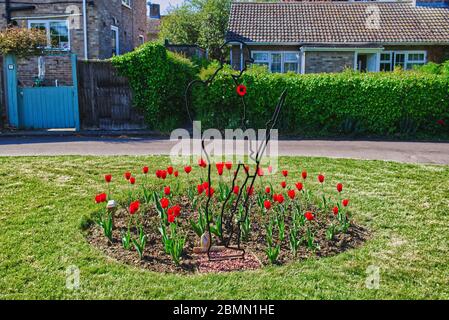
x=285 y=173
x=158 y=173
x=246 y=167
x=228 y=165
x=170 y=170
x=250 y=191
x=275 y=197
x=134 y=207
x=220 y=165
x=270 y=169
x=280 y=199
x=267 y=190
x=320 y=178
x=176 y=174
x=340 y=187
x=163 y=174
x=177 y=211
x=200 y=189
x=236 y=190
x=188 y=169
x=267 y=204
x=210 y=192
x=241 y=90
x=299 y=186
x=335 y=210
x=345 y=202
x=291 y=194
x=205 y=185
x=171 y=218
x=220 y=171
x=108 y=178
x=132 y=180
x=164 y=203
x=145 y=170
x=101 y=198
x=127 y=175
x=167 y=191
x=441 y=122
x=283 y=184
x=202 y=163
x=170 y=211
x=260 y=172
x=309 y=216
x=304 y=175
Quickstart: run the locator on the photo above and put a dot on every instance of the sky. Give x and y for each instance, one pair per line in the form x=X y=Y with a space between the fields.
x=165 y=4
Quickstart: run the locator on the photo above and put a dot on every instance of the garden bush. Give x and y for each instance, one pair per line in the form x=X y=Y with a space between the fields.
x=158 y=79
x=328 y=104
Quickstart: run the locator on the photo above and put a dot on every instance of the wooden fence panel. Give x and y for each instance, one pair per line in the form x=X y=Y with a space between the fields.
x=105 y=98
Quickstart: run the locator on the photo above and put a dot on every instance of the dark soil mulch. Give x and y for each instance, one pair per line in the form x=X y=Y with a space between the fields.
x=155 y=258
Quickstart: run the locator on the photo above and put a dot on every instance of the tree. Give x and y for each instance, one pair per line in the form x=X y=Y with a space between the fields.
x=202 y=22
x=180 y=26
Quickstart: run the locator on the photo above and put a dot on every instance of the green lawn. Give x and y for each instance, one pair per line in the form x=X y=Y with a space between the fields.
x=43 y=200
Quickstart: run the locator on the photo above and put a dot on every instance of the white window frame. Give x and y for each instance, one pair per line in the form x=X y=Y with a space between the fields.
x=47 y=31
x=406 y=54
x=283 y=61
x=141 y=39
x=117 y=39
x=126 y=3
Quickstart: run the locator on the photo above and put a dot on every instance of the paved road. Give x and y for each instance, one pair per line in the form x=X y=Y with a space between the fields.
x=410 y=152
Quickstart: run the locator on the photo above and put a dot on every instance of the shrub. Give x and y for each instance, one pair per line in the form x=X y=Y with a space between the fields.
x=323 y=104
x=22 y=42
x=158 y=79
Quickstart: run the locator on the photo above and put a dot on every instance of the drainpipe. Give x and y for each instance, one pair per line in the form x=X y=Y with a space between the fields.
x=8 y=11
x=86 y=55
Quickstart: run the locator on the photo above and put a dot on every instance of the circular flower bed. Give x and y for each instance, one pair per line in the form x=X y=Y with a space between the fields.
x=161 y=225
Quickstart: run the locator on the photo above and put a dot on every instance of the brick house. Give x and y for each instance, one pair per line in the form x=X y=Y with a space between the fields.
x=327 y=36
x=112 y=26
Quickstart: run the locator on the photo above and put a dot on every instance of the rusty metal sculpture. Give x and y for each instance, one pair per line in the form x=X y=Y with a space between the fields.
x=233 y=231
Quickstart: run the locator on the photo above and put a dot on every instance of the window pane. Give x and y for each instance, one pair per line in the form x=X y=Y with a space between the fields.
x=59 y=35
x=291 y=57
x=385 y=67
x=290 y=67
x=416 y=57
x=385 y=57
x=276 y=62
x=38 y=25
x=260 y=56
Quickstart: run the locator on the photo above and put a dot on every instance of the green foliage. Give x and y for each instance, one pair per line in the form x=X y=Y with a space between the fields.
x=202 y=22
x=22 y=42
x=158 y=79
x=328 y=104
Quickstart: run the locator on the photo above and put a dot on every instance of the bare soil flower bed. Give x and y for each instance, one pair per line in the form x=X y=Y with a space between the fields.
x=156 y=259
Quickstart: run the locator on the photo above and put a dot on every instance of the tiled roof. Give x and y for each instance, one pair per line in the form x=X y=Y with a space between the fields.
x=337 y=22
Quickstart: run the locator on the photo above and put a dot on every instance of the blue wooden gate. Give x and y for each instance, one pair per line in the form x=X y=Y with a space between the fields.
x=41 y=107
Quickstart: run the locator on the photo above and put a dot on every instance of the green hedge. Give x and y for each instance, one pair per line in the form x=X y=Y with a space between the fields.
x=158 y=79
x=323 y=104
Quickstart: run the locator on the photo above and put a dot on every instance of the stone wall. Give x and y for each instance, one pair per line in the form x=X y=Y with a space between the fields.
x=323 y=61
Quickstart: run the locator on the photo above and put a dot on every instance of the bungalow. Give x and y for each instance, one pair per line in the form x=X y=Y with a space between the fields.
x=327 y=36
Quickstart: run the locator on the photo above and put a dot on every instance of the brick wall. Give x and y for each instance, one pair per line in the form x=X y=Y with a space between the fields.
x=322 y=61
x=131 y=22
x=56 y=68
